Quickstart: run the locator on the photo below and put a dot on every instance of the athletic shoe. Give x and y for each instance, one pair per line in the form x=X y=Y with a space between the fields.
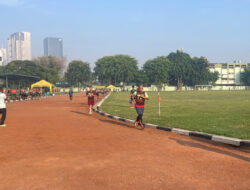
x=141 y=124
x=3 y=125
x=90 y=113
x=136 y=124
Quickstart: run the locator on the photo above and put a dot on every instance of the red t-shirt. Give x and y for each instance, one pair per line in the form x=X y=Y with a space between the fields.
x=13 y=91
x=91 y=95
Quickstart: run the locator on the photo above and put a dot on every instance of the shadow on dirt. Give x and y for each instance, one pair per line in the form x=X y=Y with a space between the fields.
x=204 y=147
x=120 y=123
x=81 y=113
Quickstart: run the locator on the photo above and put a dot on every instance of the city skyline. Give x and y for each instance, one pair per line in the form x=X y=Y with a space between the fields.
x=19 y=46
x=53 y=46
x=3 y=56
x=218 y=30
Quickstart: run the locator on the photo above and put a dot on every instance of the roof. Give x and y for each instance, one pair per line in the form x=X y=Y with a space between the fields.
x=111 y=86
x=42 y=83
x=18 y=77
x=99 y=87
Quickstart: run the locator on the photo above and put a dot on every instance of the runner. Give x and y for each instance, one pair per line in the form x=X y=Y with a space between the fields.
x=97 y=94
x=139 y=98
x=2 y=107
x=131 y=95
x=91 y=99
x=71 y=94
x=102 y=92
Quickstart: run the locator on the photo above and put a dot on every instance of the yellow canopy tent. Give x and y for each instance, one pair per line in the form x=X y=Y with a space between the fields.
x=98 y=87
x=43 y=83
x=111 y=87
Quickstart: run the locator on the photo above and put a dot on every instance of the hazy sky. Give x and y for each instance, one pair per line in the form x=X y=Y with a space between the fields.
x=144 y=29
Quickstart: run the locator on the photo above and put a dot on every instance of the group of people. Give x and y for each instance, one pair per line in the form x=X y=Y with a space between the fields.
x=137 y=98
x=91 y=93
x=91 y=96
x=22 y=94
x=14 y=94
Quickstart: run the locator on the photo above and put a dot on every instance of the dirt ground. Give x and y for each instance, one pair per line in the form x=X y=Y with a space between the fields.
x=54 y=144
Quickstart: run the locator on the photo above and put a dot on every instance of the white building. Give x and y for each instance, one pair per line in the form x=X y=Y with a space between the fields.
x=19 y=46
x=229 y=73
x=3 y=56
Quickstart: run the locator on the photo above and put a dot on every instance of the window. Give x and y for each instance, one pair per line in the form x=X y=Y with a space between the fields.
x=224 y=66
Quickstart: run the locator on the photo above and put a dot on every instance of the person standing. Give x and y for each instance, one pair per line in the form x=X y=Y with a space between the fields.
x=13 y=94
x=71 y=94
x=2 y=107
x=91 y=99
x=131 y=94
x=97 y=94
x=139 y=98
x=102 y=92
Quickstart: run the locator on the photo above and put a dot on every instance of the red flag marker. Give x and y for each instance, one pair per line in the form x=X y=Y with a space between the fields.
x=159 y=101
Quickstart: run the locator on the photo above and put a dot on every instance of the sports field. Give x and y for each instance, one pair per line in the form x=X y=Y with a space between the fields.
x=217 y=112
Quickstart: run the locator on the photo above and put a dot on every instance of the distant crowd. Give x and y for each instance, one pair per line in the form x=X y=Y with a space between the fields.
x=24 y=93
x=98 y=92
x=92 y=94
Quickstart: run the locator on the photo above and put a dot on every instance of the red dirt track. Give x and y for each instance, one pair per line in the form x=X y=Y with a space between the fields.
x=54 y=144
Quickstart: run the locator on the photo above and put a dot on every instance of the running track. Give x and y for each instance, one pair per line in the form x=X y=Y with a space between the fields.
x=54 y=144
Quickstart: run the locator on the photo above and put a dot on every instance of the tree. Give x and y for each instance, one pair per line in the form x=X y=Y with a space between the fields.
x=189 y=71
x=32 y=69
x=141 y=78
x=180 y=68
x=1 y=69
x=200 y=74
x=78 y=72
x=213 y=77
x=58 y=64
x=245 y=77
x=157 y=70
x=116 y=69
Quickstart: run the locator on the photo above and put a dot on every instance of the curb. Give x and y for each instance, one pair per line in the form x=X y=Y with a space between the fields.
x=216 y=138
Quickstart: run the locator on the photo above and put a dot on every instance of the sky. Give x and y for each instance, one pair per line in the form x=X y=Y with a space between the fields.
x=216 y=29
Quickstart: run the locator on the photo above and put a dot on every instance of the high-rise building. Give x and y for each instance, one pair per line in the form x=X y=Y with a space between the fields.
x=3 y=56
x=19 y=46
x=53 y=46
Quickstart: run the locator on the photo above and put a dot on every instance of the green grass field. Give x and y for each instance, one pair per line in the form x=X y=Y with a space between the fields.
x=217 y=112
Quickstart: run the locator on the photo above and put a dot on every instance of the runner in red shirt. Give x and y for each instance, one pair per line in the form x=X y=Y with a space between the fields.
x=139 y=98
x=91 y=99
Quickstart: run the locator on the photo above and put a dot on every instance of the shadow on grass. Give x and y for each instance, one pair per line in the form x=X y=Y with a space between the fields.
x=119 y=123
x=204 y=147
